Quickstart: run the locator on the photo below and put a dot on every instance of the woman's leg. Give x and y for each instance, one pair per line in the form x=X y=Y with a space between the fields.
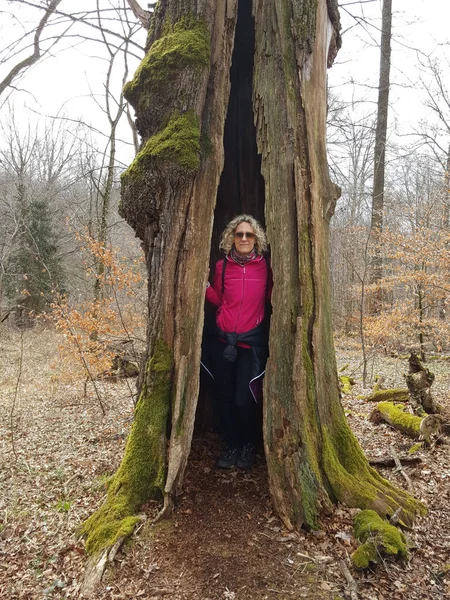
x=225 y=378
x=243 y=398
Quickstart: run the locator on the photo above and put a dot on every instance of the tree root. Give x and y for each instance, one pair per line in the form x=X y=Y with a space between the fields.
x=358 y=485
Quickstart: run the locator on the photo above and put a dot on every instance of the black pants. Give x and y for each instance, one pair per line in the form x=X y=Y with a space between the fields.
x=236 y=406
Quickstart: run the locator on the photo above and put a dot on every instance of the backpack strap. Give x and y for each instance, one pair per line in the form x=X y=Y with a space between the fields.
x=225 y=260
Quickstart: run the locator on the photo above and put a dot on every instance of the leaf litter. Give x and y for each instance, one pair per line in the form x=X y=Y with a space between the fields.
x=224 y=541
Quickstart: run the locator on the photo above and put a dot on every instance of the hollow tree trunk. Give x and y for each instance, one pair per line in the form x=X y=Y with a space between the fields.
x=313 y=457
x=181 y=94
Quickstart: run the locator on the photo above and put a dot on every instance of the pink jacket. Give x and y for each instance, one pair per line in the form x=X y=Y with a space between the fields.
x=241 y=307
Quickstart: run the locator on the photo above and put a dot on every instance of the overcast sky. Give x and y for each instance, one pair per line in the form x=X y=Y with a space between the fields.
x=74 y=71
x=420 y=29
x=70 y=79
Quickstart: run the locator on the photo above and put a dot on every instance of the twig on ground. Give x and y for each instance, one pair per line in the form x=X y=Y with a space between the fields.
x=66 y=484
x=351 y=583
x=400 y=468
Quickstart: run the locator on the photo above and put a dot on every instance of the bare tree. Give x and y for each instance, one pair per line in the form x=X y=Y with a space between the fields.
x=114 y=108
x=435 y=132
x=380 y=146
x=350 y=151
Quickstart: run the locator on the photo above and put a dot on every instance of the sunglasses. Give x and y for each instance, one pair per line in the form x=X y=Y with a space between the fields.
x=241 y=234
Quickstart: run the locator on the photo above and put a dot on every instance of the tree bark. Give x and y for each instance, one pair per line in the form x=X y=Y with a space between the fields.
x=380 y=150
x=169 y=195
x=144 y=16
x=382 y=117
x=419 y=381
x=313 y=458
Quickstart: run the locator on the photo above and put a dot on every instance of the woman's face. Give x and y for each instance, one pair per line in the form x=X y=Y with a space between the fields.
x=244 y=238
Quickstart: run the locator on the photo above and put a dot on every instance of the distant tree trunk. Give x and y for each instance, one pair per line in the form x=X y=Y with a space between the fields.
x=446 y=219
x=445 y=224
x=181 y=94
x=380 y=149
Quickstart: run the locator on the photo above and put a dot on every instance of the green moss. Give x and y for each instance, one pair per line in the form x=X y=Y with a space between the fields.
x=141 y=475
x=178 y=142
x=415 y=448
x=299 y=18
x=346 y=383
x=394 y=395
x=356 y=484
x=410 y=424
x=186 y=46
x=343 y=461
x=378 y=538
x=364 y=555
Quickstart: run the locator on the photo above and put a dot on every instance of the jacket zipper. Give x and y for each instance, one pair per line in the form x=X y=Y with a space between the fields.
x=242 y=300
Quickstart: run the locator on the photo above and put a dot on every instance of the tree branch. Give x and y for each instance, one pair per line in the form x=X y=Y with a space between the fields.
x=33 y=58
x=143 y=15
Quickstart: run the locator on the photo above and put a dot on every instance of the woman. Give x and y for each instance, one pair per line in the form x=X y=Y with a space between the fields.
x=242 y=287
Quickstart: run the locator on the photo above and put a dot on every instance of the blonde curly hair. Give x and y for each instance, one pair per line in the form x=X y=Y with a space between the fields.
x=227 y=239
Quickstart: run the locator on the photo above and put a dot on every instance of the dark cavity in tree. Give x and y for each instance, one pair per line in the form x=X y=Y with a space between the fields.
x=241 y=187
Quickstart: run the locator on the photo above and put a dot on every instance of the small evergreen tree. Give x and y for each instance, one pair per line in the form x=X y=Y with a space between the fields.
x=33 y=272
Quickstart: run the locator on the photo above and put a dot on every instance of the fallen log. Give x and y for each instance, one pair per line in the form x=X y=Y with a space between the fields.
x=388 y=461
x=393 y=395
x=396 y=417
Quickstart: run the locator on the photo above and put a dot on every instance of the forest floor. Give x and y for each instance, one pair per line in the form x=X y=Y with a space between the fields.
x=223 y=542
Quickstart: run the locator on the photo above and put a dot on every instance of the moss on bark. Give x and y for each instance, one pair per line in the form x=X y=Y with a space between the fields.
x=397 y=417
x=393 y=395
x=178 y=142
x=187 y=46
x=356 y=484
x=141 y=474
x=379 y=538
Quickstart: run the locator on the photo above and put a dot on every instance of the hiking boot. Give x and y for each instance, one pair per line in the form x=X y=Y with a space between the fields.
x=229 y=458
x=247 y=457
